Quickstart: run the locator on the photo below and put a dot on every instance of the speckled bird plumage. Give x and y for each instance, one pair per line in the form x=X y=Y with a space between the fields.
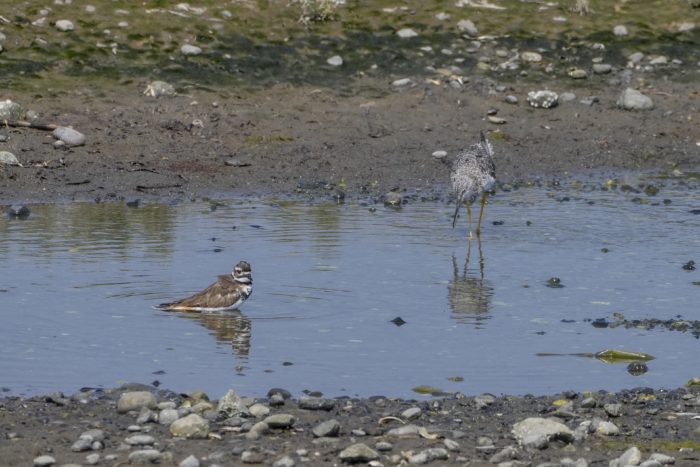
x=227 y=293
x=473 y=173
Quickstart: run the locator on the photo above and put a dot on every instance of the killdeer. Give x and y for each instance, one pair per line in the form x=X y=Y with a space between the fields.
x=473 y=174
x=227 y=293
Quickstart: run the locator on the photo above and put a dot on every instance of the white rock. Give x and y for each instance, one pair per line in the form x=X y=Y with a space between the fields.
x=140 y=440
x=468 y=27
x=144 y=456
x=335 y=60
x=168 y=416
x=190 y=461
x=439 y=154
x=92 y=459
x=536 y=426
x=406 y=33
x=64 y=25
x=258 y=410
x=659 y=60
x=191 y=426
x=159 y=88
x=531 y=57
x=401 y=82
x=8 y=158
x=411 y=413
x=633 y=456
x=231 y=404
x=135 y=400
x=404 y=430
x=44 y=461
x=620 y=30
x=10 y=110
x=662 y=458
x=686 y=26
x=631 y=99
x=607 y=429
x=636 y=57
x=542 y=99
x=189 y=49
x=69 y=136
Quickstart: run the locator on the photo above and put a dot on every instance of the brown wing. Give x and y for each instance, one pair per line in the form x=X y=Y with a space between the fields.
x=220 y=294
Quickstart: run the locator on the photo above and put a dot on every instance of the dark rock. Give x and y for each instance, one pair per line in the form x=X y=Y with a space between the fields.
x=18 y=211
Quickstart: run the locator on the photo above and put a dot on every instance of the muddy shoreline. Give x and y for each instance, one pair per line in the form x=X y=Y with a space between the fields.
x=306 y=141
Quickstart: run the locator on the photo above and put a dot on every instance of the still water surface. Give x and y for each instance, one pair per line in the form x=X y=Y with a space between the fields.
x=78 y=282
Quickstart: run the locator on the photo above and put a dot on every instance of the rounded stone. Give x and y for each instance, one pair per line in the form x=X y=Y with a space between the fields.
x=189 y=49
x=280 y=420
x=468 y=27
x=327 y=428
x=44 y=461
x=69 y=136
x=359 y=452
x=531 y=57
x=620 y=30
x=135 y=400
x=64 y=25
x=191 y=426
x=406 y=33
x=335 y=60
x=8 y=158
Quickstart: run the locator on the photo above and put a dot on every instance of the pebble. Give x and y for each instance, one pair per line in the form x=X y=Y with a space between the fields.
x=383 y=446
x=620 y=30
x=536 y=426
x=257 y=430
x=633 y=456
x=69 y=136
x=231 y=405
x=450 y=444
x=401 y=82
x=191 y=426
x=159 y=88
x=146 y=416
x=613 y=410
x=144 y=456
x=662 y=459
x=8 y=158
x=258 y=410
x=429 y=455
x=607 y=429
x=189 y=49
x=140 y=440
x=567 y=97
x=316 y=403
x=168 y=416
x=496 y=120
x=134 y=400
x=252 y=457
x=439 y=154
x=636 y=57
x=602 y=68
x=83 y=444
x=189 y=461
x=411 y=413
x=335 y=60
x=484 y=400
x=468 y=26
x=359 y=452
x=659 y=60
x=64 y=25
x=92 y=459
x=533 y=57
x=406 y=33
x=327 y=428
x=44 y=461
x=280 y=420
x=511 y=99
x=285 y=461
x=578 y=73
x=404 y=430
x=631 y=99
x=10 y=110
x=393 y=198
x=543 y=99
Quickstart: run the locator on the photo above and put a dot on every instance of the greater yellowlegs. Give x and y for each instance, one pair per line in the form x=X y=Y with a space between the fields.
x=227 y=293
x=473 y=173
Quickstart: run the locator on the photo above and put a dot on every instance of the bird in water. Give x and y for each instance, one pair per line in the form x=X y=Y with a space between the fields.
x=227 y=293
x=473 y=173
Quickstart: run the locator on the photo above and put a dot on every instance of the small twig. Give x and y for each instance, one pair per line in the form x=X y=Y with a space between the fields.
x=25 y=124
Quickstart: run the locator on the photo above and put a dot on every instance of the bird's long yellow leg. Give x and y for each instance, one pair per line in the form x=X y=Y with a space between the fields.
x=481 y=213
x=469 y=216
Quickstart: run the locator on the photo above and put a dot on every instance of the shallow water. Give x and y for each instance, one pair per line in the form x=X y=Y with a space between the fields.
x=79 y=281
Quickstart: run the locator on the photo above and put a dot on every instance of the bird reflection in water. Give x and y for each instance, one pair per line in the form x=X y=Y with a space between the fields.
x=469 y=296
x=227 y=327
